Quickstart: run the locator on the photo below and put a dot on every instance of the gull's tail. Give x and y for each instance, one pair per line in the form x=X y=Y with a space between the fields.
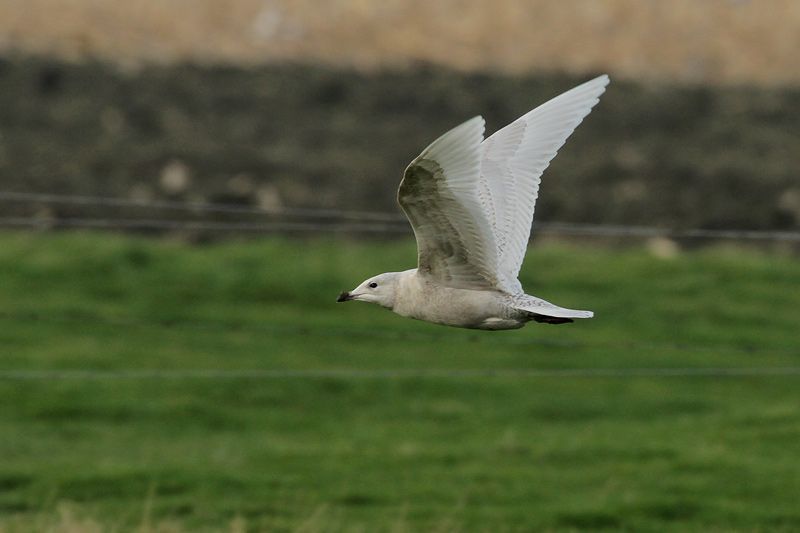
x=544 y=311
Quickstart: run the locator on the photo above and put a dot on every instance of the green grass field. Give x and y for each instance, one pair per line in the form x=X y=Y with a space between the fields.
x=114 y=416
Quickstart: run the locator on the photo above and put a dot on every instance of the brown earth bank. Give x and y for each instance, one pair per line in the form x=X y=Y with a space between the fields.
x=295 y=135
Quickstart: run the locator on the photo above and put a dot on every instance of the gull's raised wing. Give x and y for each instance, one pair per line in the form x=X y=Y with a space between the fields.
x=513 y=160
x=439 y=195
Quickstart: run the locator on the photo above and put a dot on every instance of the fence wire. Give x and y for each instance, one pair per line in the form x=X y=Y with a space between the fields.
x=195 y=207
x=191 y=225
x=396 y=373
x=320 y=220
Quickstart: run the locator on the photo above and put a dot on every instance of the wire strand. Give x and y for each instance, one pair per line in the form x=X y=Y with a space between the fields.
x=361 y=221
x=395 y=373
x=354 y=227
x=191 y=225
x=650 y=232
x=105 y=201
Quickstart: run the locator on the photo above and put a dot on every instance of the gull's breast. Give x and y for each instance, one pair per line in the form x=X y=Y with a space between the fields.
x=423 y=299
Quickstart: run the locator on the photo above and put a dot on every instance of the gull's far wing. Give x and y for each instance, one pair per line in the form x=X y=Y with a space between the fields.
x=439 y=195
x=513 y=160
x=532 y=304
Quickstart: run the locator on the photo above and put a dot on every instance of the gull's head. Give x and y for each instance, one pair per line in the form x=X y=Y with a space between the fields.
x=378 y=289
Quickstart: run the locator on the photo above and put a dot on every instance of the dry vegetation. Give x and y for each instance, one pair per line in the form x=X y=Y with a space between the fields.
x=710 y=41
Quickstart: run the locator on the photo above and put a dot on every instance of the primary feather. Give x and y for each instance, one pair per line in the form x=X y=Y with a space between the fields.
x=512 y=162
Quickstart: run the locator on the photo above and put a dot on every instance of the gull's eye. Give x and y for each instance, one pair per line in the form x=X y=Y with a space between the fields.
x=373 y=285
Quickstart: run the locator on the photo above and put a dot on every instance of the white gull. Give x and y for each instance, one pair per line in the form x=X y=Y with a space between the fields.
x=470 y=202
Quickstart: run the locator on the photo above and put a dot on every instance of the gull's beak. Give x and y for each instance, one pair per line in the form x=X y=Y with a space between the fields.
x=344 y=297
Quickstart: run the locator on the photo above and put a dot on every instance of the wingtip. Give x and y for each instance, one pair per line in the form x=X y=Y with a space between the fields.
x=602 y=80
x=596 y=86
x=477 y=119
x=467 y=134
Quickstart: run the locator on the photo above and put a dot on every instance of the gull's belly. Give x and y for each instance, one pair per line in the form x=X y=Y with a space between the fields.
x=457 y=307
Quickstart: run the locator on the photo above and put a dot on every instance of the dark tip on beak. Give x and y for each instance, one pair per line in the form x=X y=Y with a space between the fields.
x=344 y=297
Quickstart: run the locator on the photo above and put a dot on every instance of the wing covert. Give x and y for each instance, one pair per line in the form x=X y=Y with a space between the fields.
x=439 y=196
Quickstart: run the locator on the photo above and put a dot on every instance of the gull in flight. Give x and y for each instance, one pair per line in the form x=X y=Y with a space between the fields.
x=470 y=202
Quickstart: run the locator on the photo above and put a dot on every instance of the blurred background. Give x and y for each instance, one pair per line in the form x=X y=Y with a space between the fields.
x=186 y=185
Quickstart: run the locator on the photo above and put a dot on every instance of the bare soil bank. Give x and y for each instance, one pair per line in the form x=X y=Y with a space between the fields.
x=311 y=136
